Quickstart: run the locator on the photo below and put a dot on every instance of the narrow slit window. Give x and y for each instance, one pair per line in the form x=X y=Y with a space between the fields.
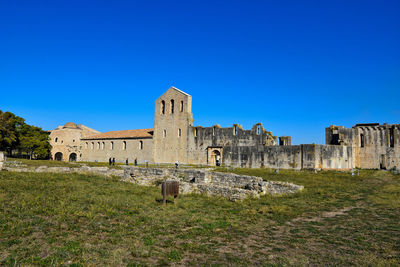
x=140 y=145
x=56 y=140
x=172 y=106
x=111 y=145
x=103 y=145
x=124 y=145
x=214 y=131
x=98 y=145
x=179 y=132
x=92 y=146
x=259 y=129
x=165 y=133
x=181 y=106
x=391 y=137
x=235 y=130
x=195 y=132
x=362 y=140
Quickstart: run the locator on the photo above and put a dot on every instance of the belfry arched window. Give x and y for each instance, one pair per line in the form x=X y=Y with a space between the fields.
x=162 y=107
x=172 y=106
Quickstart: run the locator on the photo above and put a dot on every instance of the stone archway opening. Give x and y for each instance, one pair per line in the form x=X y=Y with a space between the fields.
x=72 y=157
x=214 y=156
x=58 y=156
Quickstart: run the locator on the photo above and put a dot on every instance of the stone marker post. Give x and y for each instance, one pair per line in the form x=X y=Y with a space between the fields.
x=1 y=159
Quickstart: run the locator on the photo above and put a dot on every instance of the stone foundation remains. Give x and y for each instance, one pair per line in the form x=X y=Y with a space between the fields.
x=228 y=185
x=201 y=181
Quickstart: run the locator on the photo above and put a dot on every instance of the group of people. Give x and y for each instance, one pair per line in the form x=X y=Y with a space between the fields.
x=111 y=161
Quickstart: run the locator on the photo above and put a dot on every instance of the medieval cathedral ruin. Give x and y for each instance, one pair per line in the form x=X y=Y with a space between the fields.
x=175 y=139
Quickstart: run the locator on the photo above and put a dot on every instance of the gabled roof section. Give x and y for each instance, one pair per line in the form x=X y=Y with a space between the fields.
x=172 y=87
x=138 y=133
x=176 y=89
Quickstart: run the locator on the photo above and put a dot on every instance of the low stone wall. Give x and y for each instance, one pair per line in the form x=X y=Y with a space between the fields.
x=84 y=170
x=229 y=185
x=202 y=181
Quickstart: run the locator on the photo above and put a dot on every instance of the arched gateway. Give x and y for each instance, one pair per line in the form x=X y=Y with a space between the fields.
x=58 y=156
x=72 y=157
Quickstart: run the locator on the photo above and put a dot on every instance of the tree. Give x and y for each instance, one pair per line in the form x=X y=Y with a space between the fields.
x=10 y=125
x=34 y=141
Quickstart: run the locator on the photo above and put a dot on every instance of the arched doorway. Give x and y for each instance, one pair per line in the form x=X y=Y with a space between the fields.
x=72 y=157
x=58 y=156
x=215 y=158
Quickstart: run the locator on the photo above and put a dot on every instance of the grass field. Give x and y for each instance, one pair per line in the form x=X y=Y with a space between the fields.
x=71 y=219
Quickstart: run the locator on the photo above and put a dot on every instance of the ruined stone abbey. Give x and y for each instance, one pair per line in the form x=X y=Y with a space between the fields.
x=175 y=139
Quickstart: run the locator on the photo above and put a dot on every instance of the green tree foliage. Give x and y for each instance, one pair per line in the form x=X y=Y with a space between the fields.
x=10 y=125
x=34 y=141
x=15 y=134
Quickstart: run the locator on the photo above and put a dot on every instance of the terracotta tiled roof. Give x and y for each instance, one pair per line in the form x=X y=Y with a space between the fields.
x=139 y=133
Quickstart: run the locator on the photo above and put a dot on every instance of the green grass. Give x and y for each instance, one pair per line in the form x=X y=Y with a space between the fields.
x=80 y=220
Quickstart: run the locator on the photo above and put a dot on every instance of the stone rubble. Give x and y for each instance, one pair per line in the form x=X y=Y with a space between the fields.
x=203 y=181
x=200 y=181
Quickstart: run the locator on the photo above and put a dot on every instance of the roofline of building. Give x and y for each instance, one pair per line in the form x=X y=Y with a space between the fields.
x=115 y=138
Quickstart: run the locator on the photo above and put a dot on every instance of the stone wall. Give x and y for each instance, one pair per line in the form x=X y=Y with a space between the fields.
x=172 y=119
x=374 y=146
x=230 y=142
x=67 y=140
x=231 y=186
x=102 y=149
x=296 y=157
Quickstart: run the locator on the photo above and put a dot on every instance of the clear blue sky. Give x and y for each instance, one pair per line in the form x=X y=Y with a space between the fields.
x=295 y=66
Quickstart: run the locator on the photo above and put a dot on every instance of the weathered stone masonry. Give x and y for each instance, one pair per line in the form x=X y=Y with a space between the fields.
x=174 y=138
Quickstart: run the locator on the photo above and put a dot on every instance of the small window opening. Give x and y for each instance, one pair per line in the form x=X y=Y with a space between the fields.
x=73 y=141
x=141 y=145
x=98 y=145
x=215 y=131
x=165 y=133
x=92 y=145
x=335 y=139
x=162 y=107
x=56 y=140
x=179 y=132
x=181 y=106
x=112 y=145
x=195 y=132
x=62 y=141
x=124 y=145
x=172 y=106
x=103 y=145
x=258 y=129
x=235 y=130
x=362 y=140
x=391 y=137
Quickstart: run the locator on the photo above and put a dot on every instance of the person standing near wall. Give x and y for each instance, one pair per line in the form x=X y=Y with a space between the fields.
x=126 y=162
x=135 y=161
x=113 y=161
